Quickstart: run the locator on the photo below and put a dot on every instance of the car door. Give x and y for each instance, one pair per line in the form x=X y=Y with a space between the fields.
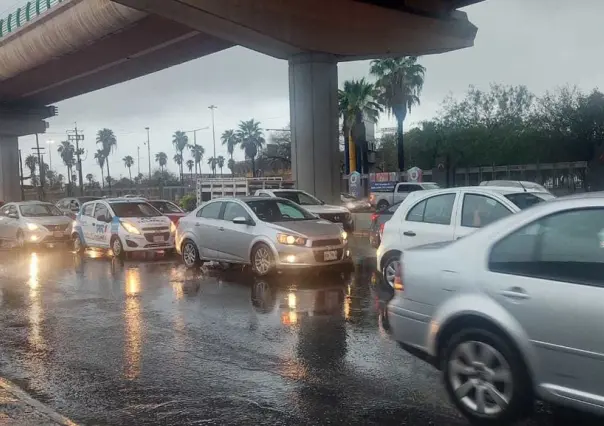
x=234 y=240
x=85 y=222
x=206 y=229
x=549 y=275
x=100 y=228
x=478 y=210
x=12 y=222
x=5 y=226
x=429 y=220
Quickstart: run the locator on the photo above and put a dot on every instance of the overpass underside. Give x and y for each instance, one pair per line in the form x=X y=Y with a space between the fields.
x=85 y=45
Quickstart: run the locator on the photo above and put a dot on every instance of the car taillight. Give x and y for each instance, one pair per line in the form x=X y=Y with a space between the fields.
x=374 y=217
x=382 y=228
x=398 y=279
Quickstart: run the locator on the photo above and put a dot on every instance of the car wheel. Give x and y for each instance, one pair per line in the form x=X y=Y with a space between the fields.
x=190 y=254
x=117 y=247
x=486 y=378
x=263 y=261
x=382 y=205
x=391 y=264
x=78 y=244
x=20 y=239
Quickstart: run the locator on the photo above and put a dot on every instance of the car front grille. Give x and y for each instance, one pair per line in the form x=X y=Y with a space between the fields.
x=319 y=256
x=336 y=217
x=325 y=243
x=150 y=237
x=55 y=228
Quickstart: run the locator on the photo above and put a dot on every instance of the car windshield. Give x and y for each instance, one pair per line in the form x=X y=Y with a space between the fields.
x=39 y=210
x=299 y=197
x=166 y=207
x=527 y=199
x=134 y=209
x=271 y=210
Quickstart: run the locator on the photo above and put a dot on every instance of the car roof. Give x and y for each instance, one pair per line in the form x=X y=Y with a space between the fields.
x=24 y=203
x=124 y=200
x=247 y=198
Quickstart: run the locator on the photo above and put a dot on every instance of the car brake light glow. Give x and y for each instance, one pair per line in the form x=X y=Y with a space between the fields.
x=382 y=228
x=398 y=280
x=374 y=217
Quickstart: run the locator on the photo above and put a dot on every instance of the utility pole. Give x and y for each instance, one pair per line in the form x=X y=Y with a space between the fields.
x=138 y=159
x=40 y=166
x=212 y=108
x=22 y=179
x=77 y=138
x=50 y=153
x=149 y=152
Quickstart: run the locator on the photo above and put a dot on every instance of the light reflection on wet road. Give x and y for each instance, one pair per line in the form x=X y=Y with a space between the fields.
x=143 y=342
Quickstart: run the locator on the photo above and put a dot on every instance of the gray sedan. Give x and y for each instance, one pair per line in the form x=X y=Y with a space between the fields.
x=267 y=233
x=33 y=223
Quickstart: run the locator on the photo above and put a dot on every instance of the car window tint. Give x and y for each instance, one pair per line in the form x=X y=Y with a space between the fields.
x=416 y=214
x=233 y=210
x=405 y=188
x=392 y=209
x=4 y=210
x=88 y=209
x=439 y=209
x=567 y=246
x=480 y=210
x=210 y=211
x=290 y=212
x=101 y=210
x=524 y=199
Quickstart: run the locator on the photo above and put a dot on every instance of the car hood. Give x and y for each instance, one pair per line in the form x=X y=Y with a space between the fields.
x=309 y=228
x=175 y=214
x=144 y=222
x=49 y=220
x=326 y=208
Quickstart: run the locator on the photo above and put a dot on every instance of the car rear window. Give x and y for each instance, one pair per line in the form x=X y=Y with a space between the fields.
x=525 y=199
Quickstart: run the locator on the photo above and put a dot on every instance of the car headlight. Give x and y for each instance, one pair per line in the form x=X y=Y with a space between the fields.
x=172 y=228
x=130 y=228
x=291 y=240
x=33 y=226
x=344 y=235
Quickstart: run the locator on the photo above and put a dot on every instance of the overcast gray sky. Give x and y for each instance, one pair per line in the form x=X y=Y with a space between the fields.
x=539 y=43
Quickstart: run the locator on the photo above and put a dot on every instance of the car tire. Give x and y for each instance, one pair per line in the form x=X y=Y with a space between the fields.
x=382 y=205
x=190 y=254
x=389 y=268
x=117 y=247
x=479 y=362
x=263 y=260
x=78 y=244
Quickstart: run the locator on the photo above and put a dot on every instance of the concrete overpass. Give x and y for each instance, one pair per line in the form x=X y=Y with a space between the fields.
x=51 y=50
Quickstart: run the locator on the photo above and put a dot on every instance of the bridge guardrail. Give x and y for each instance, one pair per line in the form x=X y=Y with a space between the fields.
x=28 y=12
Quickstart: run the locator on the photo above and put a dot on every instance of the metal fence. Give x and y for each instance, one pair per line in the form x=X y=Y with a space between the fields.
x=28 y=12
x=172 y=193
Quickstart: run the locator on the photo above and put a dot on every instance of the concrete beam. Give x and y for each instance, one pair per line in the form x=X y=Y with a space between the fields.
x=10 y=185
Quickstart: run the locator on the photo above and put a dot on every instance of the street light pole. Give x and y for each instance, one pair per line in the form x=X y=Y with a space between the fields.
x=138 y=159
x=50 y=153
x=194 y=131
x=149 y=152
x=212 y=108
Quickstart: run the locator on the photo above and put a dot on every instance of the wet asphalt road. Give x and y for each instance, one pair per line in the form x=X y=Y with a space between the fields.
x=147 y=342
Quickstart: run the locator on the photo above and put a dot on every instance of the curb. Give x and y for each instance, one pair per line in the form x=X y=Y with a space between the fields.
x=20 y=394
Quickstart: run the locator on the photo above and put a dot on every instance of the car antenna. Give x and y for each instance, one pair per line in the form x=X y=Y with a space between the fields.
x=520 y=182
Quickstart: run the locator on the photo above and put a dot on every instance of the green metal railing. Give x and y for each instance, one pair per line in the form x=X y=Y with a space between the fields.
x=30 y=11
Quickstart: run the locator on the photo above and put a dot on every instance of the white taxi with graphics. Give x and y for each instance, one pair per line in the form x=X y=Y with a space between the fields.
x=122 y=225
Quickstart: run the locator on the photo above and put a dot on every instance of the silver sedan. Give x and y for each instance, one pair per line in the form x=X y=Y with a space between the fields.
x=33 y=223
x=266 y=233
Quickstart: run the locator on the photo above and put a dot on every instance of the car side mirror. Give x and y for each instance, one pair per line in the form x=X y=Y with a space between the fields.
x=240 y=220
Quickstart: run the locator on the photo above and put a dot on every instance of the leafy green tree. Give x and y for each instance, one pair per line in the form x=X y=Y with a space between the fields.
x=399 y=82
x=212 y=163
x=128 y=162
x=90 y=179
x=180 y=140
x=251 y=140
x=106 y=138
x=231 y=166
x=357 y=104
x=31 y=162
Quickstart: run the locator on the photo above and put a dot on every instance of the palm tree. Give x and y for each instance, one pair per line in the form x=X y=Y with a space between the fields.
x=128 y=162
x=67 y=151
x=220 y=163
x=180 y=140
x=161 y=158
x=357 y=103
x=231 y=166
x=100 y=158
x=229 y=138
x=108 y=141
x=251 y=139
x=31 y=161
x=399 y=82
x=178 y=160
x=190 y=165
x=212 y=163
x=90 y=179
x=197 y=152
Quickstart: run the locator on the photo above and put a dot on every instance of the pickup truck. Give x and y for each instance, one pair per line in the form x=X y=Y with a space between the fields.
x=381 y=200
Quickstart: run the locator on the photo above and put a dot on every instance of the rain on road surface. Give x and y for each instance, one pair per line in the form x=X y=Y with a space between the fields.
x=147 y=341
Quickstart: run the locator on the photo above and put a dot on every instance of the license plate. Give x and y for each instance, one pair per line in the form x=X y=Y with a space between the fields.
x=57 y=234
x=330 y=255
x=158 y=239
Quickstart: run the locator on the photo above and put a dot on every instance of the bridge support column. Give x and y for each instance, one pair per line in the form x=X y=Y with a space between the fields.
x=313 y=94
x=10 y=188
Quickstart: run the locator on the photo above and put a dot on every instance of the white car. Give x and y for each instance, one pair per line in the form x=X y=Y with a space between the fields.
x=426 y=217
x=33 y=223
x=122 y=225
x=336 y=214
x=511 y=313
